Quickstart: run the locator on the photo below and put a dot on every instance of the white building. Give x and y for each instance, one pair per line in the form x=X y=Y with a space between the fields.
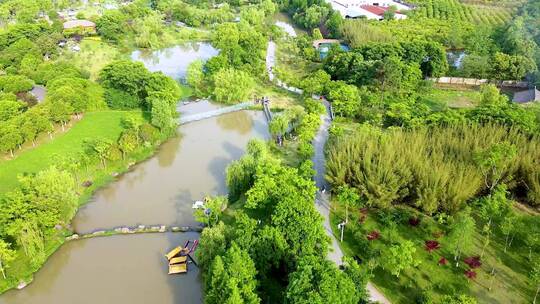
x=370 y=9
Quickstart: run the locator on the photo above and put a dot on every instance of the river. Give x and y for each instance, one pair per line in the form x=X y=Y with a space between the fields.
x=132 y=268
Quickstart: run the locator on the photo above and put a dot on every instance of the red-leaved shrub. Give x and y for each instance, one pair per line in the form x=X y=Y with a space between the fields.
x=432 y=245
x=443 y=261
x=473 y=262
x=414 y=221
x=373 y=235
x=470 y=274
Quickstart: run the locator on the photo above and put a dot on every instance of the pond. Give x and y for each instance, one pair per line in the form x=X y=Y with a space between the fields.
x=159 y=191
x=174 y=61
x=455 y=58
x=285 y=22
x=324 y=48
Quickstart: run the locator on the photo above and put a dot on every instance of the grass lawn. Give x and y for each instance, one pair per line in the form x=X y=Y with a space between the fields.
x=105 y=124
x=280 y=99
x=94 y=55
x=454 y=98
x=509 y=285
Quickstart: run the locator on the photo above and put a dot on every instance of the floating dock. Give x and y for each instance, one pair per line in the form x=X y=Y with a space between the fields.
x=178 y=257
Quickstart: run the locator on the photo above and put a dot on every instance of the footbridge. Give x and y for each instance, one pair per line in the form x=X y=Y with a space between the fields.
x=200 y=116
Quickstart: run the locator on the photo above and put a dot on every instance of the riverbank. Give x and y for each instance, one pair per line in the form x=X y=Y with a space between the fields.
x=63 y=152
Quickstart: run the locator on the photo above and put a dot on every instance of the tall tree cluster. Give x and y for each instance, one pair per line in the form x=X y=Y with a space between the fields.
x=153 y=92
x=267 y=235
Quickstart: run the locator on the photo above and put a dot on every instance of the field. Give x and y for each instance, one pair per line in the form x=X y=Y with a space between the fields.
x=106 y=124
x=478 y=12
x=454 y=98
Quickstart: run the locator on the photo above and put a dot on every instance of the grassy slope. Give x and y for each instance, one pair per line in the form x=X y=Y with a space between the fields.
x=104 y=124
x=509 y=284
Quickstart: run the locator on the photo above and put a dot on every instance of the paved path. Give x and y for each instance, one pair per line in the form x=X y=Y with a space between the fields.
x=322 y=201
x=270 y=59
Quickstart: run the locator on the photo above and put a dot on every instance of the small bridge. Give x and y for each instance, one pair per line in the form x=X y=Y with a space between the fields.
x=200 y=116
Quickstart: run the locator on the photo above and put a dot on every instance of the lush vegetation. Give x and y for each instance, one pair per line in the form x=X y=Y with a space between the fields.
x=262 y=254
x=437 y=190
x=81 y=133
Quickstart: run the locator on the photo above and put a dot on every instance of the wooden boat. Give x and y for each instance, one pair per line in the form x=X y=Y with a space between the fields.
x=178 y=268
x=178 y=260
x=174 y=252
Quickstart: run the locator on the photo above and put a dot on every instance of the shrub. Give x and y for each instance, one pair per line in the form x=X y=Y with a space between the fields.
x=121 y=100
x=148 y=133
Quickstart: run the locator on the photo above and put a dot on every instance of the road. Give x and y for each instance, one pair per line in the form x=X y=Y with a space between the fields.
x=322 y=200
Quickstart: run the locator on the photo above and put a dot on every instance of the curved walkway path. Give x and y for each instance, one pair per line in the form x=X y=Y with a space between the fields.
x=322 y=201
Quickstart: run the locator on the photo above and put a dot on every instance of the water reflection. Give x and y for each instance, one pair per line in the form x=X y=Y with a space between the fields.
x=240 y=122
x=166 y=159
x=162 y=189
x=119 y=269
x=174 y=61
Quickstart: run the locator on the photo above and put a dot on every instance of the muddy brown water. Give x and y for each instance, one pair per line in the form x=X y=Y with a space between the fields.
x=132 y=268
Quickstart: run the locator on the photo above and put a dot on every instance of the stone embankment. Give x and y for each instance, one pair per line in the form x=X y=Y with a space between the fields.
x=134 y=230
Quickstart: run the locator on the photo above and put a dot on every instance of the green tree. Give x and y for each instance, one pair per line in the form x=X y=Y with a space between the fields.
x=348 y=197
x=389 y=75
x=30 y=238
x=10 y=137
x=316 y=34
x=99 y=147
x=495 y=163
x=195 y=77
x=59 y=111
x=232 y=86
x=233 y=279
x=128 y=141
x=390 y=13
x=511 y=67
x=491 y=96
x=317 y=280
x=493 y=209
x=279 y=125
x=7 y=255
x=400 y=257
x=315 y=83
x=345 y=99
x=534 y=277
x=127 y=76
x=212 y=244
x=9 y=109
x=460 y=237
x=162 y=116
x=15 y=83
x=111 y=25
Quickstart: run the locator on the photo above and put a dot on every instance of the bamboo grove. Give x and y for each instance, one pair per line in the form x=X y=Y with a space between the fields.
x=436 y=169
